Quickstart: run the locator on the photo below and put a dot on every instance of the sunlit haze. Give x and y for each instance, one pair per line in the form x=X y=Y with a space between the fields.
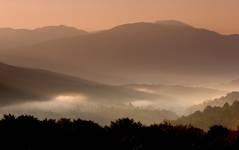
x=170 y=65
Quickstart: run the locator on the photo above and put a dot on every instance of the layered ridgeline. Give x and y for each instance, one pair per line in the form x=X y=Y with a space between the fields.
x=227 y=115
x=23 y=85
x=168 y=51
x=15 y=38
x=49 y=84
x=45 y=93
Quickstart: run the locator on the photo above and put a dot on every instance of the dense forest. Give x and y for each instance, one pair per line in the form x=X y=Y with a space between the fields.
x=29 y=133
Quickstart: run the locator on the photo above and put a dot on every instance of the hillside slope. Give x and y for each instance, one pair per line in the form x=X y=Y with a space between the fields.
x=137 y=52
x=227 y=116
x=16 y=38
x=230 y=98
x=23 y=84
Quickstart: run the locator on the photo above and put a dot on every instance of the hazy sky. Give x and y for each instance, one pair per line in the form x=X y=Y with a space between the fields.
x=219 y=15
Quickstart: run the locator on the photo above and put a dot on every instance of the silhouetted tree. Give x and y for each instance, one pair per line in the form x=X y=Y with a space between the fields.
x=27 y=132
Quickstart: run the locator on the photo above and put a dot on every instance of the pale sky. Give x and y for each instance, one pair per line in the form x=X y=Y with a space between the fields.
x=218 y=15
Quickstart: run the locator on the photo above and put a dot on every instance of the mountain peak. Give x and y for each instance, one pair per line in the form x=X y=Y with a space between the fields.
x=150 y=25
x=59 y=28
x=172 y=23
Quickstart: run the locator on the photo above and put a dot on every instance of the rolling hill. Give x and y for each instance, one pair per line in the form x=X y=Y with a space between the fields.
x=49 y=94
x=20 y=85
x=137 y=52
x=15 y=38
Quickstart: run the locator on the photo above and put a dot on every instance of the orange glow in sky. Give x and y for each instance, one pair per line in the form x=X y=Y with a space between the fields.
x=218 y=15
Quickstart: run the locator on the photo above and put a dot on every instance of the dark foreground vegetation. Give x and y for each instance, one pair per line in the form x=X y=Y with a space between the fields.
x=29 y=133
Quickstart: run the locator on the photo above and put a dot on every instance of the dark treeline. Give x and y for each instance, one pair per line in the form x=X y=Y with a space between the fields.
x=29 y=133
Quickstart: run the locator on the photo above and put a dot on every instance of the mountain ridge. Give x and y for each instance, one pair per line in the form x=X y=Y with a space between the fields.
x=42 y=85
x=15 y=38
x=191 y=51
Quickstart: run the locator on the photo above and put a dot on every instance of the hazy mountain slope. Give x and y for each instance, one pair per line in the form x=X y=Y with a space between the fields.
x=15 y=38
x=48 y=94
x=232 y=85
x=185 y=94
x=172 y=23
x=9 y=95
x=219 y=102
x=137 y=52
x=23 y=84
x=227 y=116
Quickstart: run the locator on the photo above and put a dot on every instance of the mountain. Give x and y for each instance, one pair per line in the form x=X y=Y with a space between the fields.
x=20 y=85
x=49 y=94
x=15 y=38
x=230 y=98
x=172 y=23
x=166 y=51
x=226 y=115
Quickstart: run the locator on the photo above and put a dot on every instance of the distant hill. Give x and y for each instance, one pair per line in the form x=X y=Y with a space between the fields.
x=226 y=115
x=15 y=38
x=20 y=85
x=172 y=23
x=49 y=94
x=230 y=98
x=137 y=52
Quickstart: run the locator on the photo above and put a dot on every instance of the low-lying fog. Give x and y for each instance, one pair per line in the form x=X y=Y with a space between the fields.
x=80 y=106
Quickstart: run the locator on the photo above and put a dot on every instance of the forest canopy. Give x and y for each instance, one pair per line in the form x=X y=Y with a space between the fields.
x=27 y=132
